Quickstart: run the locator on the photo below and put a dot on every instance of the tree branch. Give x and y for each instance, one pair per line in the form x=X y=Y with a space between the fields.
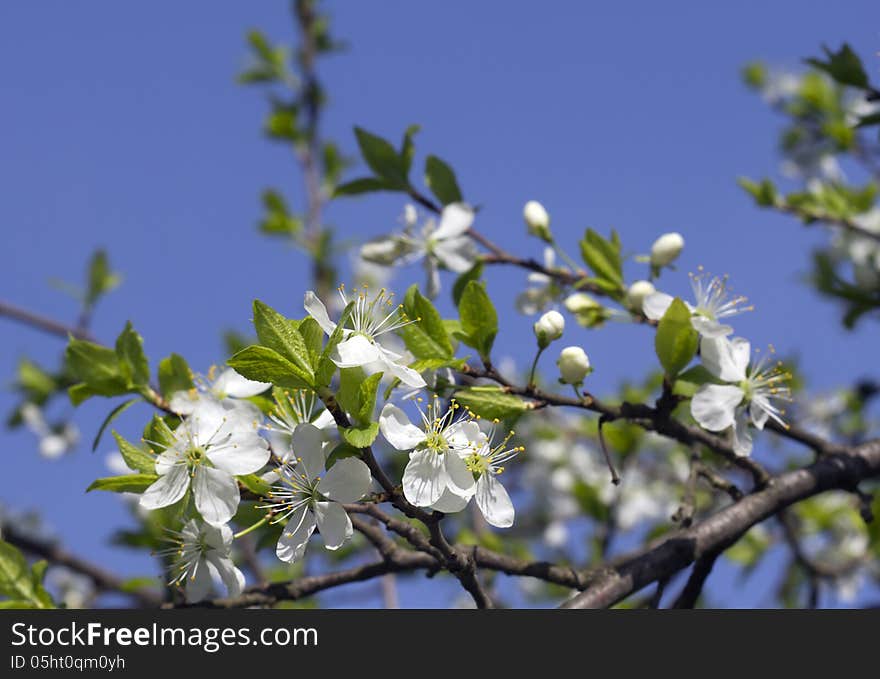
x=57 y=555
x=681 y=548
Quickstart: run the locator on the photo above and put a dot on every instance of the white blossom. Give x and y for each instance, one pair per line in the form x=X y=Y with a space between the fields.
x=543 y=290
x=445 y=244
x=435 y=465
x=485 y=460
x=712 y=302
x=748 y=394
x=371 y=318
x=212 y=445
x=309 y=496
x=201 y=557
x=222 y=385
x=53 y=441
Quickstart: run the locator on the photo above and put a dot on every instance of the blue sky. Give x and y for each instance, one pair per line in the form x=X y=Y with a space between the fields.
x=123 y=128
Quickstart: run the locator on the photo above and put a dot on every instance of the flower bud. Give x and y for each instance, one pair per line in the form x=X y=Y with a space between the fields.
x=580 y=302
x=637 y=293
x=574 y=365
x=549 y=327
x=666 y=249
x=537 y=220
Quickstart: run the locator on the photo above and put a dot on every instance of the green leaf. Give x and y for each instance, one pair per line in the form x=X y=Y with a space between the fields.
x=313 y=339
x=844 y=66
x=21 y=583
x=479 y=321
x=440 y=178
x=132 y=361
x=367 y=398
x=361 y=437
x=491 y=403
x=116 y=412
x=326 y=366
x=473 y=274
x=349 y=387
x=763 y=192
x=136 y=458
x=97 y=367
x=676 y=340
x=363 y=185
x=407 y=148
x=100 y=279
x=159 y=433
x=692 y=379
x=266 y=365
x=174 y=375
x=427 y=336
x=282 y=335
x=382 y=159
x=603 y=257
x=131 y=483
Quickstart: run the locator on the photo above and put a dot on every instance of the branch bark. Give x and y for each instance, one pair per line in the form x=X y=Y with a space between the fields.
x=721 y=530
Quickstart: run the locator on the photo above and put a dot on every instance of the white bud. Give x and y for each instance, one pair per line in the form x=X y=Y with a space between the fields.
x=637 y=293
x=666 y=249
x=574 y=365
x=549 y=327
x=579 y=302
x=537 y=220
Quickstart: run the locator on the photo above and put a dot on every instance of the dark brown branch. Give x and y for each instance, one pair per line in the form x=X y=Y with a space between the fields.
x=697 y=580
x=724 y=528
x=58 y=556
x=302 y=587
x=44 y=323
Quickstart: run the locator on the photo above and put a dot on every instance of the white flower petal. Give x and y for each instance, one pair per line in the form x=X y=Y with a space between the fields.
x=456 y=254
x=200 y=582
x=334 y=524
x=760 y=410
x=709 y=328
x=295 y=536
x=232 y=384
x=455 y=220
x=308 y=448
x=713 y=405
x=494 y=502
x=216 y=495
x=398 y=430
x=726 y=359
x=316 y=309
x=656 y=304
x=742 y=437
x=406 y=375
x=346 y=481
x=167 y=489
x=424 y=478
x=450 y=503
x=356 y=351
x=245 y=457
x=460 y=480
x=184 y=402
x=432 y=277
x=232 y=578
